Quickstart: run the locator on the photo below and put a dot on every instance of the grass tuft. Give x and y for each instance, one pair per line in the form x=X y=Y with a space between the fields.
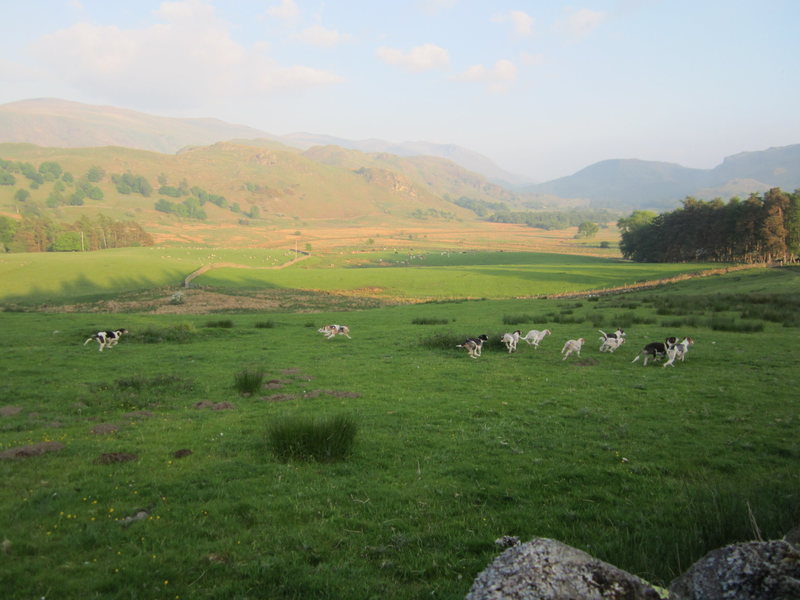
x=429 y=321
x=248 y=381
x=222 y=323
x=306 y=438
x=517 y=319
x=180 y=332
x=265 y=324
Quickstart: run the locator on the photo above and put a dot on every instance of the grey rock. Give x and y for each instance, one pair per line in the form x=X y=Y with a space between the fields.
x=545 y=569
x=750 y=570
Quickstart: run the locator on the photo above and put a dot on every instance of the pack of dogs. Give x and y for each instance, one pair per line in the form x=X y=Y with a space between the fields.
x=670 y=350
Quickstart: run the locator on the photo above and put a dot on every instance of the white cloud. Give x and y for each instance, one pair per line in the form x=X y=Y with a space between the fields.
x=521 y=22
x=433 y=7
x=182 y=61
x=580 y=23
x=287 y=10
x=317 y=35
x=498 y=79
x=532 y=60
x=420 y=58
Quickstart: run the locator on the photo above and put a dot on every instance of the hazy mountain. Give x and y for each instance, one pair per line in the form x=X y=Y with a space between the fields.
x=468 y=159
x=65 y=124
x=628 y=183
x=279 y=182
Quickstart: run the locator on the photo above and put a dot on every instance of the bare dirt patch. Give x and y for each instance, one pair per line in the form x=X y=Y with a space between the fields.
x=104 y=429
x=10 y=411
x=198 y=301
x=31 y=450
x=279 y=397
x=214 y=405
x=116 y=457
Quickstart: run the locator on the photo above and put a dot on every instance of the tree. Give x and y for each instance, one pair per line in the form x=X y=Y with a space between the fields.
x=67 y=241
x=773 y=230
x=8 y=227
x=50 y=170
x=95 y=174
x=587 y=229
x=793 y=224
x=22 y=195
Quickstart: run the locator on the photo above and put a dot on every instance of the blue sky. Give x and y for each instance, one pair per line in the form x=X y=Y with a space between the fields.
x=543 y=88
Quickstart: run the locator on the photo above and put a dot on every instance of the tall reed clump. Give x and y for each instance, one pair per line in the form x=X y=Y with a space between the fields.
x=248 y=381
x=306 y=438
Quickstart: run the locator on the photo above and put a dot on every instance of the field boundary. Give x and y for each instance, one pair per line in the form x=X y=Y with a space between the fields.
x=228 y=265
x=658 y=282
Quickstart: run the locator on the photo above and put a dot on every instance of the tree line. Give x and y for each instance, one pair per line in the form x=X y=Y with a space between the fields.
x=36 y=233
x=762 y=228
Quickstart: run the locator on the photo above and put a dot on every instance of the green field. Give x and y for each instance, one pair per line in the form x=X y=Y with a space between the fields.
x=62 y=277
x=645 y=467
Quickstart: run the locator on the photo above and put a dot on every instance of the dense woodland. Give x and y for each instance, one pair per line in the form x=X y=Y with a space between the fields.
x=763 y=228
x=42 y=234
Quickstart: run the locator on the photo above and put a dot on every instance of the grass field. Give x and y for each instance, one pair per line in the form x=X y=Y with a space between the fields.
x=645 y=467
x=391 y=275
x=58 y=277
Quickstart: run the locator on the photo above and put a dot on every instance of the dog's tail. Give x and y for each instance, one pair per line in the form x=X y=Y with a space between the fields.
x=89 y=340
x=637 y=358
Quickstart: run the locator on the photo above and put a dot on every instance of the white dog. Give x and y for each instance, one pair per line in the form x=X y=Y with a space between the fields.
x=572 y=346
x=511 y=340
x=330 y=331
x=474 y=345
x=678 y=351
x=534 y=337
x=106 y=339
x=610 y=344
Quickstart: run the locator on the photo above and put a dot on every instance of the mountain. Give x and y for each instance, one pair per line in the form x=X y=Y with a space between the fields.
x=472 y=161
x=280 y=183
x=66 y=124
x=629 y=183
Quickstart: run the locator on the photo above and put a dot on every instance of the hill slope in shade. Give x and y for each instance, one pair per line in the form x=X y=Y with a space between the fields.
x=629 y=183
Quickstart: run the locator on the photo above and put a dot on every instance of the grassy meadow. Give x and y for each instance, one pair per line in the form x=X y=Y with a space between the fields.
x=36 y=278
x=151 y=475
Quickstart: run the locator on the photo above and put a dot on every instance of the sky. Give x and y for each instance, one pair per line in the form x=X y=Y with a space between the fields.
x=543 y=88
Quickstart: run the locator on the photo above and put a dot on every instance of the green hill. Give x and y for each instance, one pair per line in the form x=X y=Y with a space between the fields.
x=322 y=183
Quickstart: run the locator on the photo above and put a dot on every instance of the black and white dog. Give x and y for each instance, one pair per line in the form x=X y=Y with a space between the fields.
x=474 y=345
x=656 y=350
x=106 y=339
x=331 y=331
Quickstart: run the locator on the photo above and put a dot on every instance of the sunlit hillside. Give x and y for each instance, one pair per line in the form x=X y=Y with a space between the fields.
x=268 y=195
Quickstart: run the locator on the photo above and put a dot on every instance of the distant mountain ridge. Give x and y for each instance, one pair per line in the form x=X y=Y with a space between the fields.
x=630 y=183
x=66 y=124
x=620 y=184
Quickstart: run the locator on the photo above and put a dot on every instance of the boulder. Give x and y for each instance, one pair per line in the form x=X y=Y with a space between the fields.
x=545 y=569
x=751 y=570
